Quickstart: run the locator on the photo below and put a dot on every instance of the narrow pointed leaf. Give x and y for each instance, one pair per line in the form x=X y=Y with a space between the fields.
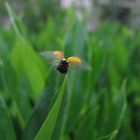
x=47 y=128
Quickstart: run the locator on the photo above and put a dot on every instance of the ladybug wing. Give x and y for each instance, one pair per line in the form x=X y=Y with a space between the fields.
x=53 y=56
x=76 y=62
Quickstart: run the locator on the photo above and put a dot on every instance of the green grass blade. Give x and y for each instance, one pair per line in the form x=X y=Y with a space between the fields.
x=110 y=136
x=31 y=65
x=6 y=128
x=122 y=93
x=47 y=128
x=13 y=19
x=124 y=106
x=39 y=114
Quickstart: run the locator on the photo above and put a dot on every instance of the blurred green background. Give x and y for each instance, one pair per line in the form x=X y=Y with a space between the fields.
x=37 y=102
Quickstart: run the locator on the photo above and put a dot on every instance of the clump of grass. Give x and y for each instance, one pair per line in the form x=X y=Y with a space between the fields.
x=96 y=104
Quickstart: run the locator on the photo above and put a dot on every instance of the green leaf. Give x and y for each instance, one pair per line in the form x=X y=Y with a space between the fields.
x=25 y=60
x=47 y=128
x=75 y=39
x=6 y=128
x=14 y=19
x=109 y=136
x=39 y=114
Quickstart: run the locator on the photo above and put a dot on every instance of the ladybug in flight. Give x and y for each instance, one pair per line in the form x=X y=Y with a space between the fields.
x=62 y=64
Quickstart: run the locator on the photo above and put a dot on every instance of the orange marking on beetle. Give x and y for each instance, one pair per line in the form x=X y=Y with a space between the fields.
x=59 y=53
x=74 y=59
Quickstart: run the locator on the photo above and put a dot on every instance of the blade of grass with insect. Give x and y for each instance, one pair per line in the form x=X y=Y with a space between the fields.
x=47 y=128
x=94 y=105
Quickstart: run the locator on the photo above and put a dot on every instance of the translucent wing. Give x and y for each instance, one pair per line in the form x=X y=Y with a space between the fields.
x=59 y=54
x=76 y=62
x=54 y=56
x=74 y=59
